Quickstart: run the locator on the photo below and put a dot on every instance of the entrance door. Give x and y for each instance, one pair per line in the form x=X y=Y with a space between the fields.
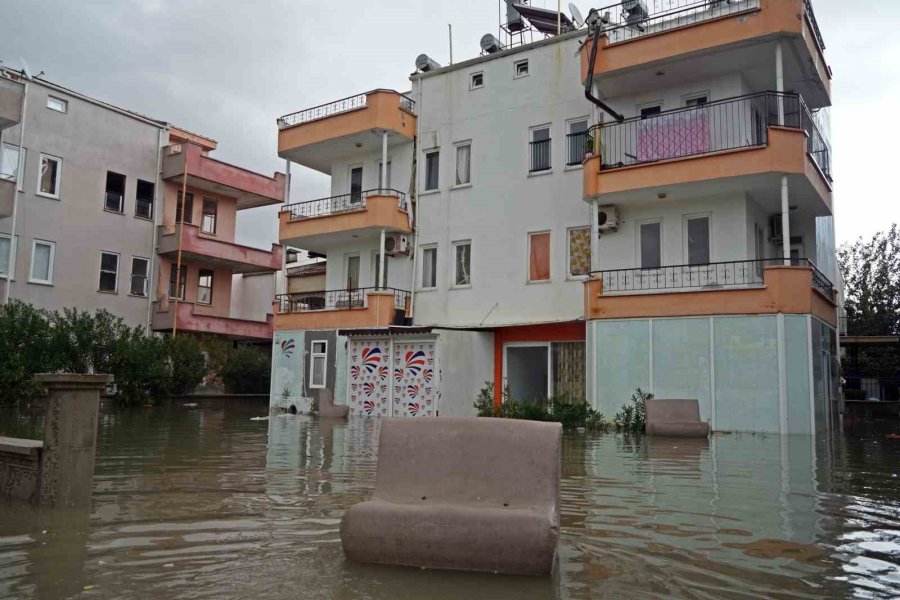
x=356 y=174
x=526 y=372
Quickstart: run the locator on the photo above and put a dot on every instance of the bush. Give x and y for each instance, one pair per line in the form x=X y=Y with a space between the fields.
x=558 y=409
x=140 y=368
x=247 y=371
x=186 y=364
x=25 y=348
x=633 y=417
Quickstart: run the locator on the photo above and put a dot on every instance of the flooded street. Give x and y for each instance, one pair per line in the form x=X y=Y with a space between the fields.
x=203 y=502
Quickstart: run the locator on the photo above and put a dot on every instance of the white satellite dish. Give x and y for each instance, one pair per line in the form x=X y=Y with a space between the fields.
x=576 y=15
x=25 y=68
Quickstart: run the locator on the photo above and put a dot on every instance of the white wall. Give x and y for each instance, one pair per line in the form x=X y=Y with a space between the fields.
x=251 y=296
x=400 y=157
x=399 y=267
x=467 y=362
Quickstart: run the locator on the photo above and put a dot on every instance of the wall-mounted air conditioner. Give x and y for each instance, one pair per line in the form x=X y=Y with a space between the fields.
x=608 y=218
x=395 y=244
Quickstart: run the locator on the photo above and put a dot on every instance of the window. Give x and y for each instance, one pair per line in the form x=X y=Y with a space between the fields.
x=376 y=267
x=109 y=272
x=10 y=165
x=650 y=244
x=381 y=185
x=205 y=287
x=143 y=207
x=57 y=104
x=140 y=269
x=429 y=267
x=462 y=264
x=317 y=359
x=576 y=141
x=356 y=179
x=649 y=111
x=540 y=149
x=208 y=220
x=48 y=181
x=476 y=81
x=697 y=240
x=42 y=254
x=432 y=161
x=7 y=256
x=463 y=163
x=579 y=251
x=521 y=68
x=176 y=281
x=186 y=207
x=539 y=256
x=114 y=201
x=352 y=272
x=698 y=100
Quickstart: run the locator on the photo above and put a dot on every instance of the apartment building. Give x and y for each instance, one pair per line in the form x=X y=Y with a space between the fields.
x=98 y=216
x=673 y=234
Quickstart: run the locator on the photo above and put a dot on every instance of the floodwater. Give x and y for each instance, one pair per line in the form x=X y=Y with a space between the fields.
x=203 y=502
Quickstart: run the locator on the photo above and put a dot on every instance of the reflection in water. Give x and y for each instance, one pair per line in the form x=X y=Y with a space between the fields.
x=203 y=502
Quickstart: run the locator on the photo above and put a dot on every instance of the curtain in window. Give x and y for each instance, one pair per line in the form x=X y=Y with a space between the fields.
x=463 y=155
x=579 y=251
x=539 y=257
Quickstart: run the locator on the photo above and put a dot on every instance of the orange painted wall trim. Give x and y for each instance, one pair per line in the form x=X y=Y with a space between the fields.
x=572 y=331
x=378 y=312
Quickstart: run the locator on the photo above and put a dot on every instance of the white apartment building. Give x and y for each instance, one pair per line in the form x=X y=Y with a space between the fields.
x=675 y=234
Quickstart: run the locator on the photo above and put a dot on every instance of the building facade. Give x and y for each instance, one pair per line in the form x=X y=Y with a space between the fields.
x=674 y=233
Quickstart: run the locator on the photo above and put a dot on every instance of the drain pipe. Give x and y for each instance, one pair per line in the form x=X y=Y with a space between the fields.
x=414 y=205
x=178 y=281
x=594 y=23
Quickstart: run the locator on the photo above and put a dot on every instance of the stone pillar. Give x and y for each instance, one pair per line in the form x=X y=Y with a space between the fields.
x=70 y=437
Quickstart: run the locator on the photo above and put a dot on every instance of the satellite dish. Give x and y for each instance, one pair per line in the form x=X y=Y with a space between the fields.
x=25 y=68
x=576 y=15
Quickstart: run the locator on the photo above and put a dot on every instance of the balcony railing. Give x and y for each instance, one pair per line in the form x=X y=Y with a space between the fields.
x=740 y=273
x=577 y=144
x=730 y=124
x=345 y=299
x=337 y=107
x=815 y=24
x=540 y=156
x=628 y=21
x=343 y=203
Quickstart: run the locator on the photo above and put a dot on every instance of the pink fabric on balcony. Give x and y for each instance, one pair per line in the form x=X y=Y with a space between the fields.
x=671 y=136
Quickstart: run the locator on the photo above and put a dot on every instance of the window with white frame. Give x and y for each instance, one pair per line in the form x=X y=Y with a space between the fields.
x=697 y=239
x=382 y=185
x=10 y=166
x=462 y=263
x=476 y=80
x=521 y=68
x=140 y=270
x=463 y=163
x=539 y=256
x=318 y=358
x=376 y=268
x=57 y=104
x=650 y=241
x=205 y=286
x=143 y=207
x=177 y=279
x=8 y=256
x=540 y=148
x=42 y=255
x=209 y=216
x=49 y=176
x=429 y=267
x=114 y=200
x=109 y=272
x=579 y=251
x=696 y=100
x=432 y=165
x=576 y=141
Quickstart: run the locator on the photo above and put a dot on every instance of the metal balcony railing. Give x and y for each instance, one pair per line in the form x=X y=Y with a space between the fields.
x=729 y=124
x=345 y=299
x=577 y=144
x=540 y=156
x=815 y=24
x=630 y=19
x=337 y=107
x=343 y=203
x=739 y=273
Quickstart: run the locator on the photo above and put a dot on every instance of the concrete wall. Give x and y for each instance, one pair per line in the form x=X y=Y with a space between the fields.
x=91 y=140
x=467 y=363
x=399 y=268
x=252 y=295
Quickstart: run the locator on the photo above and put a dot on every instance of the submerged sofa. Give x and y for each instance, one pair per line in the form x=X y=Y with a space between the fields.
x=675 y=418
x=476 y=494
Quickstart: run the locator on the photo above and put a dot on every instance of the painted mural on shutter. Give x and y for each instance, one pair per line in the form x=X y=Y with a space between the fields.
x=370 y=377
x=414 y=379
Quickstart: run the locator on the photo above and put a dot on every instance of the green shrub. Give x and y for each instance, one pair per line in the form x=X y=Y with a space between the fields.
x=186 y=365
x=633 y=417
x=559 y=409
x=139 y=365
x=26 y=348
x=247 y=371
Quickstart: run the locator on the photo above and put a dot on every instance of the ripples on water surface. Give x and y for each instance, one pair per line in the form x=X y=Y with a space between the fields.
x=205 y=503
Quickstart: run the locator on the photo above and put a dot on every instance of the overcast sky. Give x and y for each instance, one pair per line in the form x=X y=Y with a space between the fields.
x=229 y=68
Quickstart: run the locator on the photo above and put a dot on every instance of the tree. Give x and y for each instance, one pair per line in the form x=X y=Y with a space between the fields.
x=247 y=371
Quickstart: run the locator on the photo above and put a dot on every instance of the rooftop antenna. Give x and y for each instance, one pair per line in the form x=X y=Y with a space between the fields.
x=25 y=69
x=576 y=15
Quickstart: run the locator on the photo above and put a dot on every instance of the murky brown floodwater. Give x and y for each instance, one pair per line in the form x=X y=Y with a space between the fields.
x=202 y=502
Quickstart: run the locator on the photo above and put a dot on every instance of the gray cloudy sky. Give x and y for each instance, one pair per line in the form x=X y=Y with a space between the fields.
x=229 y=68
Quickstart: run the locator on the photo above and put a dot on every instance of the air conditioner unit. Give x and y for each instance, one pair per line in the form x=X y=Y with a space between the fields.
x=396 y=244
x=775 y=229
x=608 y=218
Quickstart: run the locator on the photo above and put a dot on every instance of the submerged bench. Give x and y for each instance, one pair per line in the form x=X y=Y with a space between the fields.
x=675 y=418
x=475 y=494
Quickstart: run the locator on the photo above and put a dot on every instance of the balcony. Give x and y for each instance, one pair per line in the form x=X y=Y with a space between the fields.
x=318 y=224
x=11 y=93
x=197 y=318
x=738 y=145
x=333 y=309
x=204 y=173
x=200 y=248
x=7 y=196
x=318 y=136
x=747 y=287
x=681 y=40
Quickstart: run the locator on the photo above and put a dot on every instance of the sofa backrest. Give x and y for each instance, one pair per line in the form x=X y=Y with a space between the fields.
x=672 y=411
x=495 y=462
